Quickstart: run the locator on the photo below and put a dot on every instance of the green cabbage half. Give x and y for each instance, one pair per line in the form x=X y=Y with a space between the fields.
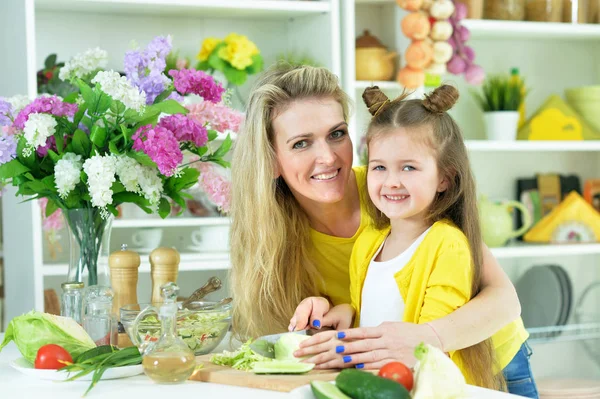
x=33 y=330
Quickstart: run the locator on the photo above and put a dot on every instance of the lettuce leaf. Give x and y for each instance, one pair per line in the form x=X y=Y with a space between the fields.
x=33 y=330
x=241 y=359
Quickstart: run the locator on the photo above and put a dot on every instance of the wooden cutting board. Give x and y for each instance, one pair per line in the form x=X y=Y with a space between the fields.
x=273 y=382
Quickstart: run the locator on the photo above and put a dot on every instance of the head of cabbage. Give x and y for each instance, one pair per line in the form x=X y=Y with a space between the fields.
x=287 y=344
x=33 y=330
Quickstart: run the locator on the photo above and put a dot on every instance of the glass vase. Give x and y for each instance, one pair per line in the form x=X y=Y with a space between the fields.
x=89 y=235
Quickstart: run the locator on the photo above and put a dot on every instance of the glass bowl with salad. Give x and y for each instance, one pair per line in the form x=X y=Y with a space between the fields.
x=201 y=329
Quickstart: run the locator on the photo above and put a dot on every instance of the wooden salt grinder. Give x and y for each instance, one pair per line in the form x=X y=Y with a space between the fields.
x=124 y=266
x=164 y=265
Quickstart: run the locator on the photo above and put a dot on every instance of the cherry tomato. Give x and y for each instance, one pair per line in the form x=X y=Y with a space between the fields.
x=398 y=372
x=50 y=357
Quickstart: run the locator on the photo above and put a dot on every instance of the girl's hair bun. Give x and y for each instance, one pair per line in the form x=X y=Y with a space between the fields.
x=374 y=99
x=441 y=99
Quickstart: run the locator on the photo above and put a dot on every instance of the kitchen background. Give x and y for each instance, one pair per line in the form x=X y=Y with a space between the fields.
x=551 y=56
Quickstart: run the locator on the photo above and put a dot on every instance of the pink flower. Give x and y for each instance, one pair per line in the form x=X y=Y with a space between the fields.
x=48 y=105
x=52 y=222
x=185 y=129
x=188 y=81
x=218 y=116
x=216 y=187
x=181 y=63
x=160 y=145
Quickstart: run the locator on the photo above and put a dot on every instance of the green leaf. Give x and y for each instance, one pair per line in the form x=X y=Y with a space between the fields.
x=117 y=187
x=178 y=199
x=113 y=148
x=79 y=115
x=50 y=184
x=162 y=96
x=81 y=143
x=221 y=162
x=126 y=134
x=170 y=107
x=54 y=156
x=12 y=169
x=202 y=65
x=164 y=208
x=73 y=200
x=117 y=107
x=100 y=103
x=28 y=161
x=216 y=62
x=86 y=92
x=186 y=179
x=98 y=136
x=126 y=196
x=212 y=134
x=142 y=158
x=224 y=148
x=51 y=207
x=36 y=186
x=130 y=115
x=72 y=97
x=112 y=209
x=50 y=61
x=256 y=66
x=60 y=142
x=234 y=76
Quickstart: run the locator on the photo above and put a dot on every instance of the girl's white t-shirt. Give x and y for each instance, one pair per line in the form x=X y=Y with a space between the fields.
x=381 y=299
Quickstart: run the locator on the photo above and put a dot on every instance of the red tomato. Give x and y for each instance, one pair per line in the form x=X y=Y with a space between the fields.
x=50 y=357
x=398 y=372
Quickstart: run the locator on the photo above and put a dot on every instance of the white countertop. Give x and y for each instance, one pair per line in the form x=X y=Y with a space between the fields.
x=13 y=384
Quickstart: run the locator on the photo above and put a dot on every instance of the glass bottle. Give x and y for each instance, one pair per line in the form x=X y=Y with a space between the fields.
x=98 y=319
x=71 y=300
x=168 y=360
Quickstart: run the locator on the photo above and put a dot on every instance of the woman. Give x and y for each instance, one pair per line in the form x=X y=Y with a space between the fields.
x=296 y=211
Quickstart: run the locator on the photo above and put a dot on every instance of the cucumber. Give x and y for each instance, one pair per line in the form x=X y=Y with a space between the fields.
x=99 y=350
x=282 y=367
x=326 y=390
x=363 y=385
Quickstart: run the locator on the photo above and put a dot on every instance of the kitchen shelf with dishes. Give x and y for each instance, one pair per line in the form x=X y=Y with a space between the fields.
x=171 y=222
x=569 y=332
x=545 y=250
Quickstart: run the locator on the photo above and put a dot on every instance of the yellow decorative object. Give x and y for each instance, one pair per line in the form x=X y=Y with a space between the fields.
x=572 y=221
x=238 y=51
x=208 y=45
x=556 y=120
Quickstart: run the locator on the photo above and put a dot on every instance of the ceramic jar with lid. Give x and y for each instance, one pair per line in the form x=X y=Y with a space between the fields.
x=373 y=60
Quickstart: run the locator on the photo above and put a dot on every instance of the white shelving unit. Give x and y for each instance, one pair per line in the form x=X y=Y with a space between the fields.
x=552 y=57
x=68 y=27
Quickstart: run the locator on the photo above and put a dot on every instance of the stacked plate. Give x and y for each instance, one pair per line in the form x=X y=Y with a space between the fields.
x=568 y=389
x=546 y=296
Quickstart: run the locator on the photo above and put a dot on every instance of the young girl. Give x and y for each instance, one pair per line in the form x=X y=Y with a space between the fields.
x=421 y=259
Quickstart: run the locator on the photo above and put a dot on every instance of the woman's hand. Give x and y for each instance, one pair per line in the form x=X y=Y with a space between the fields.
x=314 y=312
x=367 y=347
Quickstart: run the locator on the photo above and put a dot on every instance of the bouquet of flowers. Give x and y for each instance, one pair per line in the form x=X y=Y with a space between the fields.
x=117 y=139
x=48 y=80
x=235 y=56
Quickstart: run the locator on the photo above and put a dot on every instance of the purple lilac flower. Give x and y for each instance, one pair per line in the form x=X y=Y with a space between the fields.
x=5 y=112
x=49 y=105
x=160 y=145
x=8 y=148
x=185 y=129
x=188 y=81
x=175 y=96
x=144 y=69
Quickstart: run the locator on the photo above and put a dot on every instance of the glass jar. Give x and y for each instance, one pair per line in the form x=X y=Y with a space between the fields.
x=98 y=319
x=544 y=10
x=510 y=10
x=72 y=300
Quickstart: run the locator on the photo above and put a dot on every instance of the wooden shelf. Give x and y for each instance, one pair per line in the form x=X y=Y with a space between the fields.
x=266 y=9
x=548 y=250
x=481 y=28
x=523 y=145
x=171 y=222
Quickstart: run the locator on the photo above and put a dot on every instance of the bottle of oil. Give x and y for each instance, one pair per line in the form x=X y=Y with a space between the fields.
x=169 y=360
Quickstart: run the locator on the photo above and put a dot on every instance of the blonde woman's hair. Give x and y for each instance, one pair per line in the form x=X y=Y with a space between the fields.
x=270 y=237
x=457 y=203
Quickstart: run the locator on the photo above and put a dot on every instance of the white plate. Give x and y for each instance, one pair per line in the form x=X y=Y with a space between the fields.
x=21 y=364
x=142 y=250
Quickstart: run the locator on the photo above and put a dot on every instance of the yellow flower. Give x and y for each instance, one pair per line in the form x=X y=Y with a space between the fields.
x=238 y=51
x=208 y=45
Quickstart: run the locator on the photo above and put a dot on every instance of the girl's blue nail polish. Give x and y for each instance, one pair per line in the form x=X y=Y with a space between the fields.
x=317 y=323
x=341 y=335
x=360 y=366
x=347 y=359
x=339 y=349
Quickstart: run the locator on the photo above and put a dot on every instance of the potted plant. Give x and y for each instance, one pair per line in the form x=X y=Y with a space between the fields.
x=500 y=103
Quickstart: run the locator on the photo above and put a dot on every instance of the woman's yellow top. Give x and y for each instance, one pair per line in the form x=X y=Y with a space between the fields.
x=435 y=282
x=331 y=254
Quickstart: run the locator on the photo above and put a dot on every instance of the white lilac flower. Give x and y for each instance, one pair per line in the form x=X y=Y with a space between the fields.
x=100 y=171
x=38 y=128
x=18 y=103
x=83 y=64
x=140 y=179
x=119 y=88
x=67 y=173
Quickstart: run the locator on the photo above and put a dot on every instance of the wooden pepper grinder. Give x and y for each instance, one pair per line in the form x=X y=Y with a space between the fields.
x=164 y=265
x=123 y=266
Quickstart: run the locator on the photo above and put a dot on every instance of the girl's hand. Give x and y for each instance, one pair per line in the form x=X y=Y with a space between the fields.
x=367 y=347
x=309 y=313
